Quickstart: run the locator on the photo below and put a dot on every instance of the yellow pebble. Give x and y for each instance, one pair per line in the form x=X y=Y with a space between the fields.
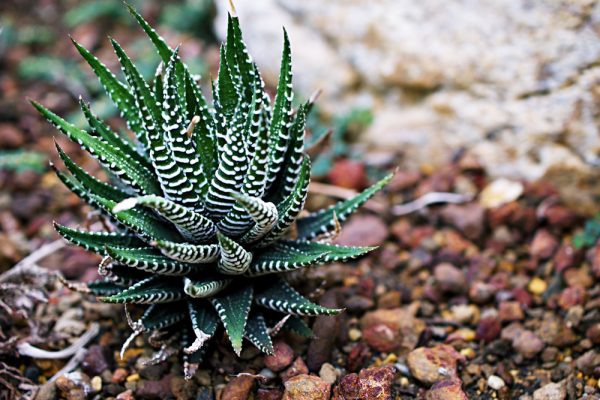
x=354 y=334
x=537 y=286
x=133 y=378
x=468 y=352
x=391 y=358
x=96 y=383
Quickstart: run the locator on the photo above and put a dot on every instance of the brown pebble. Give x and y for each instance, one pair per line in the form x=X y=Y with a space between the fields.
x=298 y=367
x=528 y=344
x=282 y=356
x=449 y=278
x=448 y=389
x=389 y=330
x=488 y=328
x=238 y=388
x=431 y=365
x=306 y=387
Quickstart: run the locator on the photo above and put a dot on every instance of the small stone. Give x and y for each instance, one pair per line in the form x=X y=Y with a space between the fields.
x=390 y=330
x=376 y=383
x=509 y=311
x=47 y=391
x=495 y=382
x=390 y=299
x=481 y=292
x=133 y=378
x=500 y=192
x=448 y=389
x=354 y=334
x=511 y=331
x=593 y=333
x=126 y=395
x=543 y=245
x=154 y=372
x=363 y=230
x=528 y=344
x=97 y=359
x=549 y=354
x=588 y=362
x=465 y=313
x=431 y=365
x=322 y=344
x=157 y=390
x=371 y=383
x=358 y=303
x=238 y=388
x=306 y=387
x=578 y=277
x=551 y=391
x=328 y=373
x=449 y=278
x=10 y=137
x=488 y=328
x=467 y=218
x=537 y=286
x=96 y=384
x=571 y=297
x=282 y=356
x=348 y=174
x=269 y=394
x=298 y=367
x=119 y=375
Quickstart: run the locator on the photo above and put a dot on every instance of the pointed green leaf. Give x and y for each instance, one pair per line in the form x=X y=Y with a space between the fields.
x=281 y=258
x=233 y=308
x=104 y=288
x=150 y=260
x=331 y=252
x=298 y=326
x=324 y=221
x=205 y=287
x=280 y=296
x=96 y=241
x=159 y=316
x=173 y=181
x=155 y=289
x=234 y=260
x=112 y=159
x=101 y=130
x=118 y=92
x=192 y=225
x=290 y=208
x=190 y=253
x=89 y=182
x=139 y=221
x=282 y=113
x=258 y=333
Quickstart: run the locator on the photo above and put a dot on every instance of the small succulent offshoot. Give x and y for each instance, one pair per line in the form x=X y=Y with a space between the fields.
x=205 y=203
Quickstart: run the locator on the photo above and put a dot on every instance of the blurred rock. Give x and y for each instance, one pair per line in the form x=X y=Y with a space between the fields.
x=306 y=387
x=349 y=174
x=449 y=278
x=467 y=218
x=529 y=68
x=431 y=365
x=551 y=391
x=393 y=329
x=282 y=356
x=363 y=230
x=238 y=388
x=372 y=383
x=449 y=389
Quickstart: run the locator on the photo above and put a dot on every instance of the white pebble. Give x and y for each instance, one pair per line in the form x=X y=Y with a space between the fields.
x=495 y=382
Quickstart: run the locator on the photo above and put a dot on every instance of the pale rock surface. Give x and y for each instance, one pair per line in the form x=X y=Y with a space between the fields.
x=515 y=82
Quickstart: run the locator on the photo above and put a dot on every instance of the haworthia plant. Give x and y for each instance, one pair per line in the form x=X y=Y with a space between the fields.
x=206 y=203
